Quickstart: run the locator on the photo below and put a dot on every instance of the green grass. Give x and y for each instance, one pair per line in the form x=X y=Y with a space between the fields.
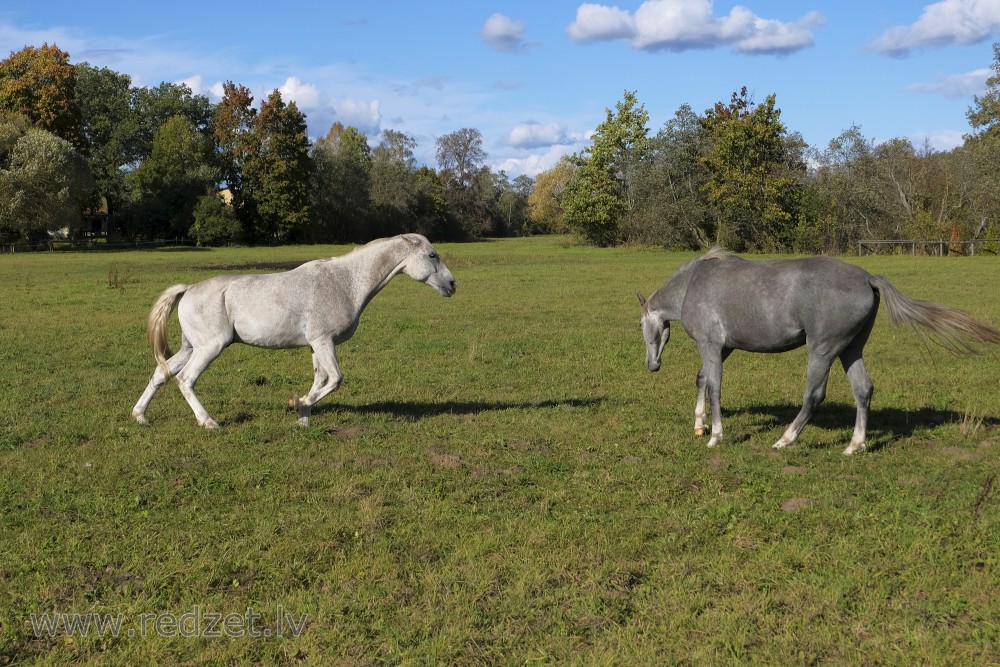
x=498 y=479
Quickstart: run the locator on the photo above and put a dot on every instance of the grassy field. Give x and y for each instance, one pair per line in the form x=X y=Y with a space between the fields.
x=498 y=480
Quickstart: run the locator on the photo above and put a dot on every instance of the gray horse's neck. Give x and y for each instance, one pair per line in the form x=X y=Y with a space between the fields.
x=667 y=300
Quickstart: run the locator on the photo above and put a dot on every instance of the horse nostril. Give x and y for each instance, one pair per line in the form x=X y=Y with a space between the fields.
x=452 y=285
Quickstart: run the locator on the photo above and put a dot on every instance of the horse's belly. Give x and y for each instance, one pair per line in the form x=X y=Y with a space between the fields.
x=269 y=332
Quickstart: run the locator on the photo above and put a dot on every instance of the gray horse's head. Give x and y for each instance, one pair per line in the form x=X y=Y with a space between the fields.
x=655 y=331
x=424 y=265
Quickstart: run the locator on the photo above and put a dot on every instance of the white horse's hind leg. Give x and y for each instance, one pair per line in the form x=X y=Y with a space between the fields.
x=175 y=363
x=326 y=379
x=200 y=359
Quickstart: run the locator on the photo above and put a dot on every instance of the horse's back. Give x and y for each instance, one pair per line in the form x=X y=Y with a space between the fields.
x=776 y=305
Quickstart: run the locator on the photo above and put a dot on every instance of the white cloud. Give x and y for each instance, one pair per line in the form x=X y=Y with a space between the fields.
x=365 y=116
x=955 y=86
x=679 y=25
x=942 y=140
x=532 y=165
x=305 y=95
x=536 y=135
x=598 y=23
x=503 y=33
x=942 y=23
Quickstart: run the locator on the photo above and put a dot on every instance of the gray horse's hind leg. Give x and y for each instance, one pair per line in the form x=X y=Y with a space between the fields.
x=175 y=364
x=863 y=389
x=326 y=379
x=816 y=377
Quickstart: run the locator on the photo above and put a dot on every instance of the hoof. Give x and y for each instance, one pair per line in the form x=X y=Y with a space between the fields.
x=293 y=404
x=852 y=448
x=141 y=419
x=211 y=424
x=699 y=431
x=303 y=421
x=713 y=441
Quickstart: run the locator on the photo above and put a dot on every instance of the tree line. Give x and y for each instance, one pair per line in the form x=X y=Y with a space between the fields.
x=76 y=138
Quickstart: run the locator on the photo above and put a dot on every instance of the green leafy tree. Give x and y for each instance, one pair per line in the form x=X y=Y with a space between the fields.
x=214 y=222
x=105 y=101
x=238 y=144
x=40 y=83
x=754 y=173
x=392 y=178
x=281 y=170
x=602 y=195
x=468 y=183
x=983 y=151
x=342 y=185
x=168 y=184
x=44 y=183
x=673 y=210
x=544 y=208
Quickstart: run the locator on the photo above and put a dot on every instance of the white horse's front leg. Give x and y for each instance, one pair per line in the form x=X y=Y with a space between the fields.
x=326 y=379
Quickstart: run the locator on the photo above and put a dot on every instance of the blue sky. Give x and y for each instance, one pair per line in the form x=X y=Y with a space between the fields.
x=535 y=77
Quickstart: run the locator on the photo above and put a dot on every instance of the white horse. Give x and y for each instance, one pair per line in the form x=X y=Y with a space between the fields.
x=317 y=304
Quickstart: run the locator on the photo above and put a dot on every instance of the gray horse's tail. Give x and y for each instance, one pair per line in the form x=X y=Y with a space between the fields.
x=949 y=327
x=156 y=328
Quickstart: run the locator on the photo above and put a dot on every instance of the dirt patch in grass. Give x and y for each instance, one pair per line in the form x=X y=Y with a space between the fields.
x=346 y=432
x=497 y=472
x=960 y=454
x=796 y=504
x=445 y=460
x=795 y=470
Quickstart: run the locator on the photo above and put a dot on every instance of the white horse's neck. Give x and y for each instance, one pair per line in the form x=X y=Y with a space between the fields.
x=372 y=266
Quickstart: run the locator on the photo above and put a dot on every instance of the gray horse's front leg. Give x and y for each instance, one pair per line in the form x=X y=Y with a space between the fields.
x=711 y=366
x=699 y=407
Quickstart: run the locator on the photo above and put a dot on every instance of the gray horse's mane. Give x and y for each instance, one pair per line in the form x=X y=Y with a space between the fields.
x=716 y=252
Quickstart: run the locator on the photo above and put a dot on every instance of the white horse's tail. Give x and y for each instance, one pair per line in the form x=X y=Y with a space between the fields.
x=156 y=328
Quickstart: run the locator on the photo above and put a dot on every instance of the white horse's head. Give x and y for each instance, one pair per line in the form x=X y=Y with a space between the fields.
x=424 y=265
x=655 y=331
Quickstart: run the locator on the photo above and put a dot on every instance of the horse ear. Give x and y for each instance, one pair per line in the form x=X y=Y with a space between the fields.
x=412 y=239
x=642 y=299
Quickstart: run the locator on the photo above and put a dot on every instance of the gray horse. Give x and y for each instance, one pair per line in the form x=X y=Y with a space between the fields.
x=726 y=303
x=317 y=304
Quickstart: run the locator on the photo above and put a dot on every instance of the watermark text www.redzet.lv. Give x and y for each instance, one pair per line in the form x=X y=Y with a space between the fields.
x=194 y=623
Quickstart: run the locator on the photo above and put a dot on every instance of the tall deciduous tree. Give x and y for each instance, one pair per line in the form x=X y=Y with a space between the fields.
x=342 y=185
x=393 y=173
x=602 y=195
x=40 y=83
x=753 y=175
x=544 y=203
x=168 y=184
x=674 y=210
x=44 y=182
x=238 y=144
x=282 y=170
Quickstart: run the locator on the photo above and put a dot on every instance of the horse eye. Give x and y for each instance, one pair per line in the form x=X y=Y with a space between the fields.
x=433 y=255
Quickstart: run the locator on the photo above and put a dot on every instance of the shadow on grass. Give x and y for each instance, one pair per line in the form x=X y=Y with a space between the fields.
x=885 y=425
x=421 y=409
